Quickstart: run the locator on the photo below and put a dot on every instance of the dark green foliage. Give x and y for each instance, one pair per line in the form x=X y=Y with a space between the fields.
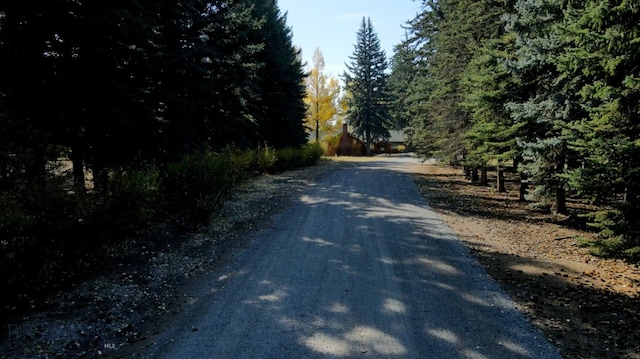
x=368 y=98
x=40 y=230
x=401 y=82
x=445 y=36
x=290 y=158
x=488 y=85
x=196 y=184
x=550 y=85
x=281 y=81
x=132 y=202
x=145 y=96
x=603 y=61
x=548 y=104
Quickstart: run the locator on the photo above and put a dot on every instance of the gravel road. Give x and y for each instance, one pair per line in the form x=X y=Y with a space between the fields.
x=357 y=267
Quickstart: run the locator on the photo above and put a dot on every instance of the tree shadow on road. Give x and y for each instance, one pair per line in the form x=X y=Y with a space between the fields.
x=382 y=277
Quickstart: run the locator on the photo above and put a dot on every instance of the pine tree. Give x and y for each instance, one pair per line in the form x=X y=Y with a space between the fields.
x=602 y=61
x=486 y=86
x=233 y=45
x=547 y=106
x=452 y=39
x=446 y=34
x=281 y=110
x=180 y=74
x=114 y=114
x=421 y=48
x=27 y=70
x=401 y=82
x=366 y=84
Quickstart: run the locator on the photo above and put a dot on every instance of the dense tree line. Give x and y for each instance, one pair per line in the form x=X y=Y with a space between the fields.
x=550 y=87
x=164 y=103
x=112 y=84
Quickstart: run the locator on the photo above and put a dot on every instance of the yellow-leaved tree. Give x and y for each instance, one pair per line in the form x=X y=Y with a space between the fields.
x=324 y=103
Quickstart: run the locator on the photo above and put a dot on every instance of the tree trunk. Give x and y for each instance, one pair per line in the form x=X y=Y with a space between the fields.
x=500 y=180
x=524 y=187
x=560 y=205
x=483 y=176
x=474 y=175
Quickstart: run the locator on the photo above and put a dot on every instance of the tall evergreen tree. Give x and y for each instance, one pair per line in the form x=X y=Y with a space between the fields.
x=487 y=86
x=603 y=63
x=401 y=80
x=233 y=51
x=366 y=84
x=446 y=34
x=115 y=114
x=182 y=75
x=446 y=25
x=545 y=108
x=282 y=110
x=422 y=49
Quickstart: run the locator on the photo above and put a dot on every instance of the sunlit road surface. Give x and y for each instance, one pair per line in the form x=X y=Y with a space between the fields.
x=357 y=267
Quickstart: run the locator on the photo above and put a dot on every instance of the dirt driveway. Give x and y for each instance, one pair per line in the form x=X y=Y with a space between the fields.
x=357 y=266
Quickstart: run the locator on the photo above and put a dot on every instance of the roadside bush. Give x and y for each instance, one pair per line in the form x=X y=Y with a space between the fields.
x=194 y=186
x=39 y=234
x=14 y=217
x=619 y=233
x=16 y=221
x=313 y=152
x=292 y=158
x=132 y=202
x=287 y=158
x=242 y=165
x=265 y=159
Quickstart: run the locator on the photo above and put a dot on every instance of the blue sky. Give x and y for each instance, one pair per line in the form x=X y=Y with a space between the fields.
x=331 y=25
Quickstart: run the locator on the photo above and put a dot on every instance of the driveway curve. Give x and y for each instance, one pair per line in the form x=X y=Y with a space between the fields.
x=357 y=267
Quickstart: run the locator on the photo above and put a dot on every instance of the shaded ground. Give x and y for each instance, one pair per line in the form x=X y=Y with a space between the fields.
x=355 y=267
x=587 y=306
x=144 y=283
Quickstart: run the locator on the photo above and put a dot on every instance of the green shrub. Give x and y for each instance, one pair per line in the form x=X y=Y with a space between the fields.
x=313 y=152
x=242 y=165
x=618 y=230
x=38 y=235
x=194 y=186
x=265 y=159
x=287 y=158
x=14 y=217
x=132 y=202
x=292 y=158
